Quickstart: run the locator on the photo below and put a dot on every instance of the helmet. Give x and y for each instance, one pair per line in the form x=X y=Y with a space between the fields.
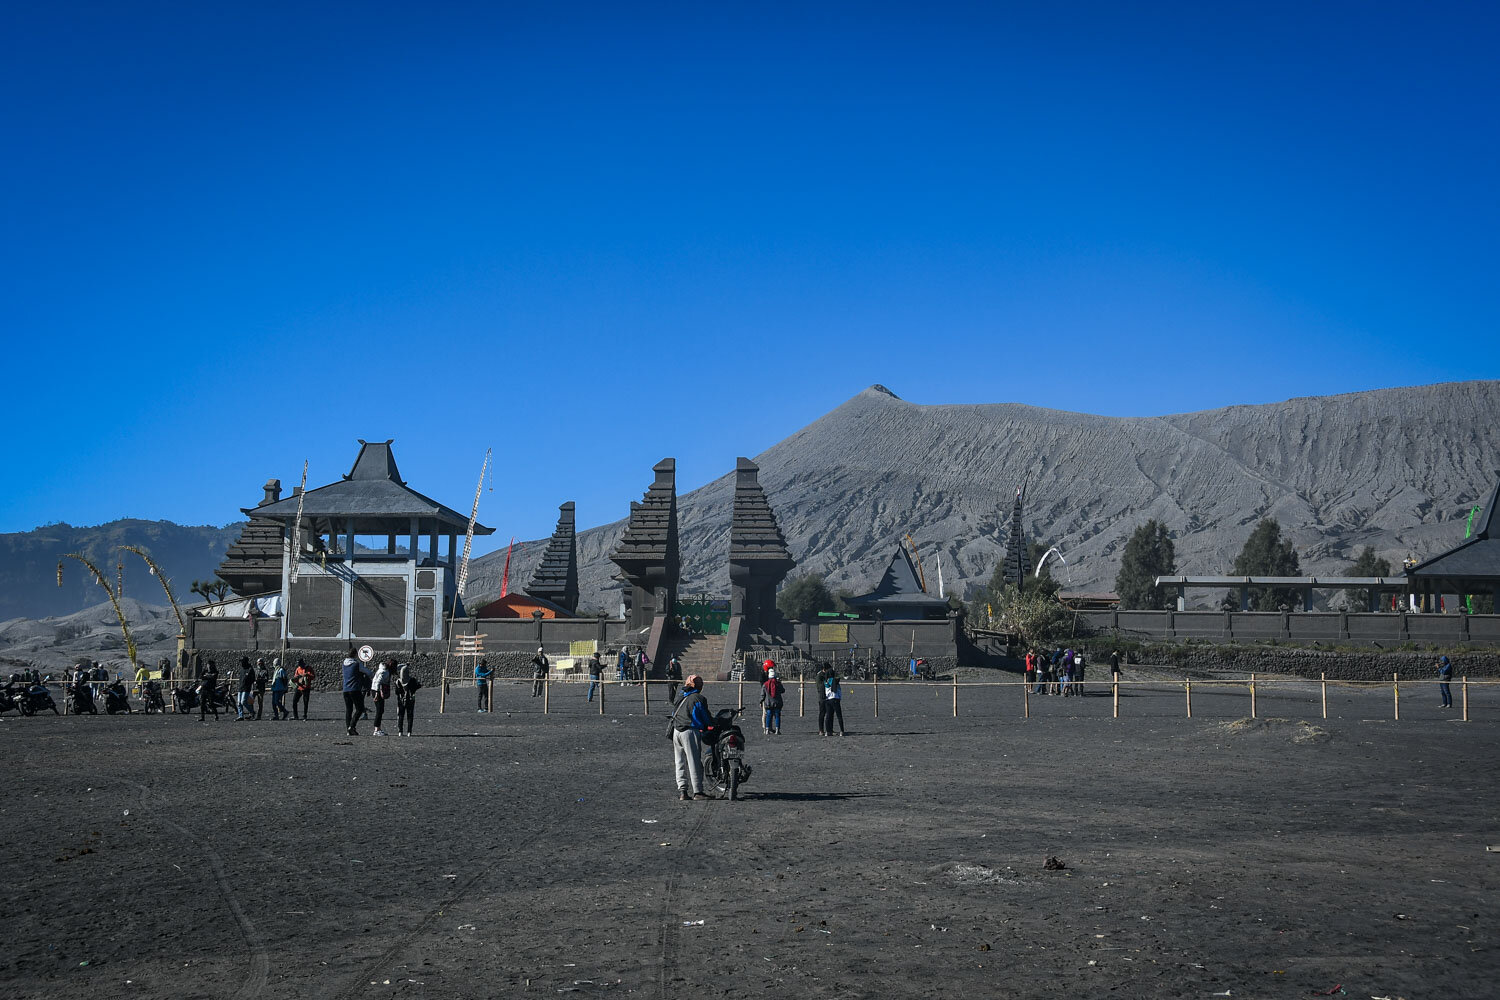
x=693 y=681
x=769 y=664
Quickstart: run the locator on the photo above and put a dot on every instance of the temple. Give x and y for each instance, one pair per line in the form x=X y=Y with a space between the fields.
x=556 y=576
x=252 y=565
x=1015 y=547
x=899 y=594
x=370 y=562
x=648 y=559
x=1472 y=567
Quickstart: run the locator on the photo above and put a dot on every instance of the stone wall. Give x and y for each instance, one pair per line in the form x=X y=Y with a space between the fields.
x=1337 y=664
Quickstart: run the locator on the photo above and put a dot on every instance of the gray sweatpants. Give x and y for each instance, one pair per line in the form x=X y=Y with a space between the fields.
x=687 y=754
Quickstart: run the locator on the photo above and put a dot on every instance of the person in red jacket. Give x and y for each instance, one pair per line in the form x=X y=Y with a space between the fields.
x=771 y=691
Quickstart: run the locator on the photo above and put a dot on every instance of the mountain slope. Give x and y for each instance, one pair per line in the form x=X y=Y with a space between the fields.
x=1394 y=468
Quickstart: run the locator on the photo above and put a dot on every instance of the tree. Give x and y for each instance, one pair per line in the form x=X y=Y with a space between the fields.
x=1038 y=619
x=210 y=590
x=1266 y=553
x=984 y=602
x=1368 y=564
x=1148 y=554
x=804 y=597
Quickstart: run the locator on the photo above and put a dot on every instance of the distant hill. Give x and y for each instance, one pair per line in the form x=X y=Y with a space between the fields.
x=28 y=563
x=1394 y=468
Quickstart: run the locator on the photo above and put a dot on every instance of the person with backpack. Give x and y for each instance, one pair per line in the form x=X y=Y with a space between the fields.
x=407 y=686
x=380 y=684
x=690 y=720
x=302 y=680
x=482 y=677
x=355 y=678
x=596 y=671
x=1445 y=676
x=539 y=667
x=278 y=693
x=244 y=707
x=833 y=699
x=771 y=692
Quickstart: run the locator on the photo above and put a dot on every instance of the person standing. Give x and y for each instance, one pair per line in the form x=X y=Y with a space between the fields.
x=302 y=680
x=208 y=686
x=771 y=692
x=262 y=676
x=539 y=667
x=407 y=686
x=243 y=708
x=596 y=670
x=1030 y=661
x=355 y=678
x=689 y=722
x=482 y=676
x=642 y=666
x=1445 y=677
x=278 y=693
x=380 y=685
x=622 y=665
x=1078 y=673
x=1114 y=667
x=833 y=697
x=824 y=722
x=674 y=676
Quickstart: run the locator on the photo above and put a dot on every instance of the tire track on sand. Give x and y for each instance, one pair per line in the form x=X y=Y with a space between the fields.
x=669 y=920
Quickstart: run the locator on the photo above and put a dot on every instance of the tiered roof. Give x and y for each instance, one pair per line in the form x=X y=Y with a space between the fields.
x=1475 y=563
x=898 y=588
x=754 y=535
x=556 y=577
x=650 y=536
x=252 y=565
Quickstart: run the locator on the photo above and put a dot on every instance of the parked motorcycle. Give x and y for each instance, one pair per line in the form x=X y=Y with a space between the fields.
x=185 y=698
x=10 y=697
x=81 y=699
x=724 y=753
x=151 y=699
x=117 y=699
x=36 y=698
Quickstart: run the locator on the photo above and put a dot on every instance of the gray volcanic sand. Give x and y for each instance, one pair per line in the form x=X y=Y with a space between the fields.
x=496 y=855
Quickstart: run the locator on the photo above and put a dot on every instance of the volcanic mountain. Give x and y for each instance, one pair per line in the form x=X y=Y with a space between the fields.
x=1397 y=469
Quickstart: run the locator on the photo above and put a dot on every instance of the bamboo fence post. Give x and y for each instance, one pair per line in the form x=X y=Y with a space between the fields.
x=1025 y=700
x=1463 y=691
x=602 y=686
x=1396 y=696
x=547 y=693
x=443 y=694
x=877 y=696
x=489 y=696
x=1187 y=686
x=742 y=689
x=1116 y=686
x=645 y=696
x=1323 y=680
x=801 y=694
x=955 y=692
x=1252 y=696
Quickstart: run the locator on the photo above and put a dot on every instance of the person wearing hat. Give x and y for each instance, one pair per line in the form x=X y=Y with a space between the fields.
x=689 y=721
x=771 y=692
x=539 y=668
x=1445 y=675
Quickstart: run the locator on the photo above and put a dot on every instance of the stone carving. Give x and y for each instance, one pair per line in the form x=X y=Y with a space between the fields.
x=556 y=577
x=647 y=553
x=758 y=556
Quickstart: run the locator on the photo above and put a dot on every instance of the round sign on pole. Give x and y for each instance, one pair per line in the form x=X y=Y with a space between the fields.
x=366 y=654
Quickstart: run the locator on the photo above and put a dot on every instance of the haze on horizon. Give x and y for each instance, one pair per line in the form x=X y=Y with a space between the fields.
x=589 y=237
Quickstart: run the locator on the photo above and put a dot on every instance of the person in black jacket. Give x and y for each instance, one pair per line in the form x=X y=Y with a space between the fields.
x=407 y=686
x=244 y=708
x=207 y=685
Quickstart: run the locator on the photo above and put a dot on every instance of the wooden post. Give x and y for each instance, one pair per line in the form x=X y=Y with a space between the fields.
x=546 y=693
x=489 y=696
x=955 y=692
x=443 y=695
x=742 y=689
x=1463 y=691
x=1116 y=686
x=877 y=696
x=1396 y=696
x=1187 y=686
x=1252 y=696
x=801 y=694
x=645 y=696
x=602 y=686
x=1323 y=679
x=1025 y=700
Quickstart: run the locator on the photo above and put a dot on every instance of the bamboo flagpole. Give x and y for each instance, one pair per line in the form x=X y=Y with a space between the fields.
x=295 y=555
x=463 y=569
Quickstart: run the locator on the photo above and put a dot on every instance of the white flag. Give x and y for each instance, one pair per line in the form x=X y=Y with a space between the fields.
x=940 y=576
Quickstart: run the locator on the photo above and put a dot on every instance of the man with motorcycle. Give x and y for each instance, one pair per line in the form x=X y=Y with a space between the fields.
x=689 y=721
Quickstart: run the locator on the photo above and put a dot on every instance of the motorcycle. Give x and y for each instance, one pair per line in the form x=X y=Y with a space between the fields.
x=151 y=699
x=10 y=698
x=81 y=700
x=36 y=698
x=724 y=753
x=116 y=699
x=185 y=698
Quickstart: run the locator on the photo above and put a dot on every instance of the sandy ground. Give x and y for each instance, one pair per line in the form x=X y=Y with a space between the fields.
x=515 y=853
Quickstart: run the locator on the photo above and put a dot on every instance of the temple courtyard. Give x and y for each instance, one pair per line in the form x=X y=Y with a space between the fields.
x=517 y=853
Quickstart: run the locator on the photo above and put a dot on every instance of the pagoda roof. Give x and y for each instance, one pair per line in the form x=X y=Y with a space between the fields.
x=556 y=576
x=372 y=490
x=1477 y=559
x=898 y=587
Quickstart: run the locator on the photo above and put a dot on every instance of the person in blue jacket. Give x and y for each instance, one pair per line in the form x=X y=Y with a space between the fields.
x=1445 y=675
x=356 y=678
x=482 y=675
x=691 y=719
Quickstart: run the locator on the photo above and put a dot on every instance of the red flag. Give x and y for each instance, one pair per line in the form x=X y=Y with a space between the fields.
x=505 y=579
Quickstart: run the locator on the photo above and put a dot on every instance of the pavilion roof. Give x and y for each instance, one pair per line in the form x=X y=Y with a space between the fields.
x=898 y=586
x=372 y=490
x=1476 y=559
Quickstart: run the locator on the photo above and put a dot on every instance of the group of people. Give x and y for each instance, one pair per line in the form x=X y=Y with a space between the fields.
x=251 y=682
x=1060 y=672
x=389 y=678
x=630 y=667
x=830 y=700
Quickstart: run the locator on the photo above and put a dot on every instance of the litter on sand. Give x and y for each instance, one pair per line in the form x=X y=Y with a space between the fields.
x=650 y=821
x=692 y=923
x=1054 y=864
x=1336 y=990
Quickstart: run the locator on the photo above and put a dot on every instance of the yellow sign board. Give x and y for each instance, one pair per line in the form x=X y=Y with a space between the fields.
x=833 y=633
x=583 y=647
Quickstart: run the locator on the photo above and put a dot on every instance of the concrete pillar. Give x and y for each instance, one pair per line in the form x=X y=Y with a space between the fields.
x=1244 y=598
x=1306 y=598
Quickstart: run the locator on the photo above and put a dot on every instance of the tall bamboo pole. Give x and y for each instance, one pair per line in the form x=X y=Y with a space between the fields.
x=115 y=593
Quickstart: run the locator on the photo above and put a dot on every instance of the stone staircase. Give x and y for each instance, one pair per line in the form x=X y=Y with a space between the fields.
x=700 y=654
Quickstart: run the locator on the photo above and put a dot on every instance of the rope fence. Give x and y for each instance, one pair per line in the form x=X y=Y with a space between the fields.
x=1251 y=685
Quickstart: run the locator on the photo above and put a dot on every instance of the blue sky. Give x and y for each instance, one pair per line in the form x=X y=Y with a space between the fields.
x=237 y=236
